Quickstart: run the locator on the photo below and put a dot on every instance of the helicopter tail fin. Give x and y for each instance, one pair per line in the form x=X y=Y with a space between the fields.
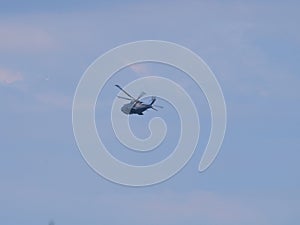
x=153 y=100
x=152 y=106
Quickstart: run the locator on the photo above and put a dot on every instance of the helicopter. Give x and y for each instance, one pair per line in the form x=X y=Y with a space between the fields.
x=136 y=106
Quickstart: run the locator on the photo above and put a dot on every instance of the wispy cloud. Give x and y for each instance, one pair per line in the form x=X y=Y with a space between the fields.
x=10 y=77
x=140 y=69
x=55 y=100
x=20 y=37
x=174 y=208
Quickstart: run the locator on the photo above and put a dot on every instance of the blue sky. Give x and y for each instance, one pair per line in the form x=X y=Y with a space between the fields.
x=253 y=49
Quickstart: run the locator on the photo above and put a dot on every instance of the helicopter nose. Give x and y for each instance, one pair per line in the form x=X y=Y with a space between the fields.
x=125 y=109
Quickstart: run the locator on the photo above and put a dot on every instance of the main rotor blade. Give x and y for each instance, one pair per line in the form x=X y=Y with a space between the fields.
x=125 y=98
x=118 y=86
x=141 y=95
x=159 y=106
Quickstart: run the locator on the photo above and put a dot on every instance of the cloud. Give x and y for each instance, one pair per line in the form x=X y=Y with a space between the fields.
x=140 y=68
x=177 y=208
x=20 y=37
x=54 y=100
x=10 y=77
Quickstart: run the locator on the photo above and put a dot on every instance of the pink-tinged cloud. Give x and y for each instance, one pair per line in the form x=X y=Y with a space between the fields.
x=54 y=100
x=10 y=77
x=180 y=208
x=18 y=37
x=140 y=68
x=203 y=206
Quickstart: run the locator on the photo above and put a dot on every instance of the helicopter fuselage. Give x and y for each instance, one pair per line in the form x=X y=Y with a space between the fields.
x=135 y=108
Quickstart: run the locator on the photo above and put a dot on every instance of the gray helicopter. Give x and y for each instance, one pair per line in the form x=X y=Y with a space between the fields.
x=136 y=106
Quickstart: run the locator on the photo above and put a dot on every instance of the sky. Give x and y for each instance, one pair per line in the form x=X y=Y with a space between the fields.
x=253 y=48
